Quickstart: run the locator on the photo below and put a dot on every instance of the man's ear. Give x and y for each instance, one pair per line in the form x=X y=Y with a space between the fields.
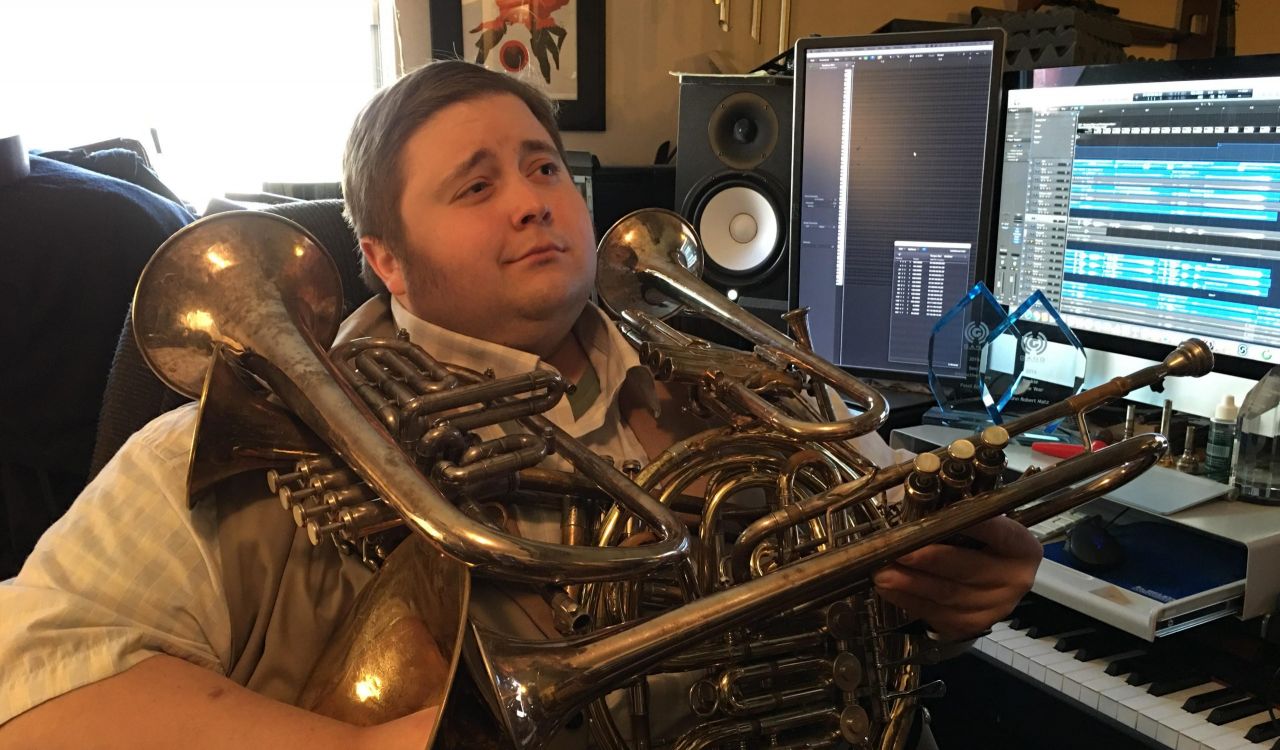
x=384 y=263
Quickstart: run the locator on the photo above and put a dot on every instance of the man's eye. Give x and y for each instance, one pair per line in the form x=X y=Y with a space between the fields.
x=475 y=188
x=549 y=169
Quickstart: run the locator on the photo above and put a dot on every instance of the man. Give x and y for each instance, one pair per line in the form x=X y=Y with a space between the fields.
x=135 y=608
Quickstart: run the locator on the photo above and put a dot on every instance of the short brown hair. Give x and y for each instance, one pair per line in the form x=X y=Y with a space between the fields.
x=372 y=178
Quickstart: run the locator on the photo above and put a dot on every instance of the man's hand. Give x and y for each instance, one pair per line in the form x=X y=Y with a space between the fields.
x=961 y=592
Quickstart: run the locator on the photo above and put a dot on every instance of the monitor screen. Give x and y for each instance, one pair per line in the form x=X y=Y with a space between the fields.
x=893 y=157
x=1146 y=211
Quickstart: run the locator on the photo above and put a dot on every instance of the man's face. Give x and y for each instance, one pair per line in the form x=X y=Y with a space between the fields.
x=498 y=241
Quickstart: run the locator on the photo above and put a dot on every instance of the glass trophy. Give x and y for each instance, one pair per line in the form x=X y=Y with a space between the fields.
x=958 y=356
x=1255 y=463
x=1011 y=363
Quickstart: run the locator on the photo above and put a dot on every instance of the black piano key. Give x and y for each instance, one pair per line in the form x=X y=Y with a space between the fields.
x=1107 y=644
x=1165 y=667
x=1126 y=664
x=1267 y=730
x=1212 y=699
x=1071 y=640
x=1227 y=714
x=1025 y=613
x=1174 y=684
x=1058 y=624
x=1156 y=670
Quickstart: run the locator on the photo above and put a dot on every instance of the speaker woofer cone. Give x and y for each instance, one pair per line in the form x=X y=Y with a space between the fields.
x=740 y=222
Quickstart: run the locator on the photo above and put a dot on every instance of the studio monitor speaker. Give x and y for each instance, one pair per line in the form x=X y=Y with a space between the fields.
x=733 y=172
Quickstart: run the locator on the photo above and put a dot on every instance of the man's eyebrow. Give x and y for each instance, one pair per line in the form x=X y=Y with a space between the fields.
x=473 y=161
x=537 y=146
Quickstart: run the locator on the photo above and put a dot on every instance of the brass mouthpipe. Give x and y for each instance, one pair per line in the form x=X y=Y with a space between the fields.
x=1192 y=358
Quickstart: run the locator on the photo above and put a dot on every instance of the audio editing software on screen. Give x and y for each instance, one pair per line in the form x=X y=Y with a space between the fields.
x=889 y=197
x=1148 y=211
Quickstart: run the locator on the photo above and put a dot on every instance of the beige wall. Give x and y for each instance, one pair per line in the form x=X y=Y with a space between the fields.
x=645 y=39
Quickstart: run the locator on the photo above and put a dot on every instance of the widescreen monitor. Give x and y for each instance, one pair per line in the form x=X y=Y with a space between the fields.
x=1144 y=201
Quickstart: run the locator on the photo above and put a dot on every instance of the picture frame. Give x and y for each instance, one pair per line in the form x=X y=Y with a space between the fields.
x=586 y=110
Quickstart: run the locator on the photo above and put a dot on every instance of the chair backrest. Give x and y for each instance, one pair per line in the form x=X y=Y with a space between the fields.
x=135 y=396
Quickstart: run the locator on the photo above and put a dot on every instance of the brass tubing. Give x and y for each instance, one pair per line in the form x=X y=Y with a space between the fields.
x=642 y=250
x=539 y=684
x=236 y=269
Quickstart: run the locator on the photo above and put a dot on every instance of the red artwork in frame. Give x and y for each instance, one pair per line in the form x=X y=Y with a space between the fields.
x=555 y=45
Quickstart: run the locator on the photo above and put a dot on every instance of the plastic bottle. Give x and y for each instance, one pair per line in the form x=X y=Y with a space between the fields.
x=1222 y=438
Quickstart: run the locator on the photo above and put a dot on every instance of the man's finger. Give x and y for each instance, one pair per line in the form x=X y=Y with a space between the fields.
x=946 y=592
x=1005 y=537
x=948 y=623
x=973 y=567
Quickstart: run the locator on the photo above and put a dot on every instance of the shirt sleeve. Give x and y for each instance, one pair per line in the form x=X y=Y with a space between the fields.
x=129 y=572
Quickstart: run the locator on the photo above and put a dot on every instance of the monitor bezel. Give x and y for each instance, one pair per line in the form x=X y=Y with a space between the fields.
x=1153 y=71
x=995 y=107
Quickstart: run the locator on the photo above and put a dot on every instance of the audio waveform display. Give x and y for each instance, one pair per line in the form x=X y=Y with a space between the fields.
x=1222 y=311
x=1174 y=186
x=1205 y=276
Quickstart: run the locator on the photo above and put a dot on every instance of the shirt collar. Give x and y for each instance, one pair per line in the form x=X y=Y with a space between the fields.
x=615 y=361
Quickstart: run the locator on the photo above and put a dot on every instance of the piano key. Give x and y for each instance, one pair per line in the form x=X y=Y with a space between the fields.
x=1173 y=729
x=1160 y=717
x=1126 y=664
x=1133 y=711
x=1263 y=731
x=1057 y=624
x=1111 y=702
x=1169 y=717
x=1231 y=736
x=1230 y=713
x=1104 y=645
x=1213 y=699
x=1174 y=684
x=1071 y=640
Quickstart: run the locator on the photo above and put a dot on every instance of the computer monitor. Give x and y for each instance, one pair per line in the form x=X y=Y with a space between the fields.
x=894 y=146
x=1144 y=200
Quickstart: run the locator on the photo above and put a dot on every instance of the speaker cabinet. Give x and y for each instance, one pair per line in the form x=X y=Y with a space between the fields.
x=733 y=175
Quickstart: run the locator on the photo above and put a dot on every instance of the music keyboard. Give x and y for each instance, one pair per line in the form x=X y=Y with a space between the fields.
x=1219 y=717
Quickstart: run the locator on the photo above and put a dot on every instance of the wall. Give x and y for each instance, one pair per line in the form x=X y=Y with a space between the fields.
x=646 y=39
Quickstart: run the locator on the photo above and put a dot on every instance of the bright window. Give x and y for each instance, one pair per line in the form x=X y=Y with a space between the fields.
x=238 y=92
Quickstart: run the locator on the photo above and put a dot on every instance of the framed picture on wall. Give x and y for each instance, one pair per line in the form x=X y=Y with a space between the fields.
x=556 y=45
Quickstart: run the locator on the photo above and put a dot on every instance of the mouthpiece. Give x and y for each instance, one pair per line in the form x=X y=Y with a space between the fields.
x=1192 y=358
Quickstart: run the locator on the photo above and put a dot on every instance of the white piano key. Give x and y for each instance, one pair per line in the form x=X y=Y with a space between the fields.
x=1146 y=725
x=1166 y=736
x=1056 y=657
x=1000 y=634
x=1094 y=688
x=1132 y=711
x=1039 y=648
x=1109 y=701
x=1182 y=722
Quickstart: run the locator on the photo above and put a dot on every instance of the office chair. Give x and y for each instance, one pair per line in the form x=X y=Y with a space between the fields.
x=135 y=396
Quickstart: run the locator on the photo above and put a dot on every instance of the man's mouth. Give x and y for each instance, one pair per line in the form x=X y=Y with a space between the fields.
x=538 y=251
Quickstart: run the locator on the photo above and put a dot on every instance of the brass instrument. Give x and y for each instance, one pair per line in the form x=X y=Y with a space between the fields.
x=768 y=615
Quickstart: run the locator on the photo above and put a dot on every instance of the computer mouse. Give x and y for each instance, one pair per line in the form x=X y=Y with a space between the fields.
x=1093 y=547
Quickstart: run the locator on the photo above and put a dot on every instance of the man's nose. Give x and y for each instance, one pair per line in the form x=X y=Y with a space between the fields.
x=532 y=207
